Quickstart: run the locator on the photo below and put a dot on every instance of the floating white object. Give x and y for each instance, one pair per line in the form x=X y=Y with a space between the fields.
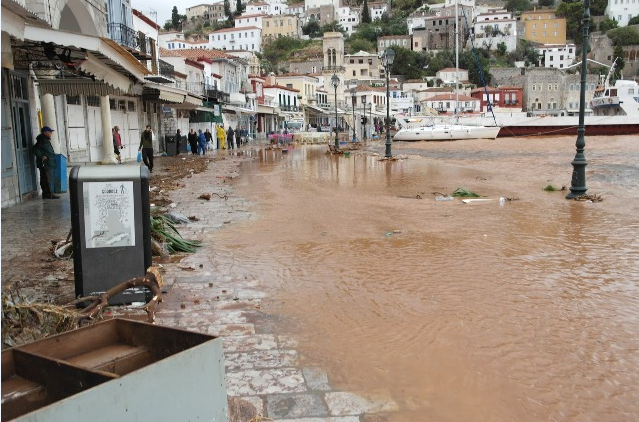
x=468 y=201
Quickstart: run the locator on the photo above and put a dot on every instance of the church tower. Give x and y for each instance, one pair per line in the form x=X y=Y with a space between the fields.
x=333 y=46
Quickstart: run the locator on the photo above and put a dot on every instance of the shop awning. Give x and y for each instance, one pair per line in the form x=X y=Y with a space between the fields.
x=316 y=109
x=193 y=100
x=105 y=59
x=170 y=97
x=75 y=87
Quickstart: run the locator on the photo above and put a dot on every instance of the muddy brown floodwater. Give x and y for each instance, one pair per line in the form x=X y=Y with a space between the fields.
x=458 y=312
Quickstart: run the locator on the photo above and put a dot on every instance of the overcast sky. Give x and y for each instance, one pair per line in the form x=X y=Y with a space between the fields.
x=162 y=7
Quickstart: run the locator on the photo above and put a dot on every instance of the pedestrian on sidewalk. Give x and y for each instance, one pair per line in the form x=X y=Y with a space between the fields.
x=45 y=161
x=209 y=139
x=146 y=146
x=201 y=143
x=221 y=136
x=178 y=139
x=117 y=143
x=192 y=139
x=229 y=137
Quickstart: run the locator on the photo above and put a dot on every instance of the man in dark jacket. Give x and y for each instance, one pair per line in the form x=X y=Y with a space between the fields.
x=229 y=137
x=192 y=139
x=146 y=146
x=45 y=161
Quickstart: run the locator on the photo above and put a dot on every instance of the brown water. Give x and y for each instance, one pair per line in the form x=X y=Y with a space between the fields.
x=468 y=312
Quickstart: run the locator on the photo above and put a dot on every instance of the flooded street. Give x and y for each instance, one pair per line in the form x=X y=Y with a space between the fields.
x=526 y=311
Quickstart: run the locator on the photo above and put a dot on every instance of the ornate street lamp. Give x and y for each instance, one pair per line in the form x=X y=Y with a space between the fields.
x=335 y=83
x=387 y=61
x=578 y=183
x=354 y=101
x=365 y=135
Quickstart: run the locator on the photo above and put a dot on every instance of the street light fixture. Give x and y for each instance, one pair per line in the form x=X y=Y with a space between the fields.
x=578 y=183
x=335 y=83
x=354 y=101
x=387 y=61
x=364 y=114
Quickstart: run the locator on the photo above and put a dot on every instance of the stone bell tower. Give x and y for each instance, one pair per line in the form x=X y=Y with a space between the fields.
x=333 y=47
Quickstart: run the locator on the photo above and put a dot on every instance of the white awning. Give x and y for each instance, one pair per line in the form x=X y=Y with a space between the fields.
x=319 y=110
x=95 y=67
x=75 y=87
x=193 y=100
x=105 y=59
x=171 y=97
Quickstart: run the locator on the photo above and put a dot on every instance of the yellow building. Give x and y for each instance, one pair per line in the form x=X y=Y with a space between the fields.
x=542 y=26
x=276 y=26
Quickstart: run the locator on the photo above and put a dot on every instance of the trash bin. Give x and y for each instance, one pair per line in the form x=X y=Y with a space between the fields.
x=60 y=174
x=111 y=227
x=171 y=146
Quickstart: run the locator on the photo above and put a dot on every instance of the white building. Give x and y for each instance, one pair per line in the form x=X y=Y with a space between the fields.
x=246 y=38
x=377 y=9
x=316 y=4
x=247 y=20
x=622 y=12
x=450 y=75
x=559 y=56
x=492 y=29
x=348 y=19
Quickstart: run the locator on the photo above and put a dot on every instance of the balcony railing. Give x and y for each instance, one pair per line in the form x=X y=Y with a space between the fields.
x=333 y=68
x=166 y=69
x=196 y=88
x=286 y=107
x=129 y=38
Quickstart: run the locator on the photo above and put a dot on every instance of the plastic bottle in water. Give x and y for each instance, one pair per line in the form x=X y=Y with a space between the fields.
x=502 y=201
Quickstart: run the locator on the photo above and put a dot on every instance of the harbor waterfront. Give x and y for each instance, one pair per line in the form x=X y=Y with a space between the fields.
x=346 y=292
x=526 y=311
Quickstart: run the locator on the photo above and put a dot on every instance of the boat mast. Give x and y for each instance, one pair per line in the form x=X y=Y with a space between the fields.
x=456 y=58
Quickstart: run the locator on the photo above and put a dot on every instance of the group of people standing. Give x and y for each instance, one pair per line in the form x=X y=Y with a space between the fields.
x=198 y=142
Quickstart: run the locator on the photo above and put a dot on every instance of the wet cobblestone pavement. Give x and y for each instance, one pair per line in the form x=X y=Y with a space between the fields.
x=265 y=374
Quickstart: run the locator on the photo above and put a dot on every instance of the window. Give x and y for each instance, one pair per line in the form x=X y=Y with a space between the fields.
x=74 y=100
x=549 y=87
x=130 y=106
x=93 y=101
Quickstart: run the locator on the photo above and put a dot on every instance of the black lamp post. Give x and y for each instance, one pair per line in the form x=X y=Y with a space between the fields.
x=365 y=135
x=354 y=101
x=387 y=61
x=335 y=83
x=578 y=183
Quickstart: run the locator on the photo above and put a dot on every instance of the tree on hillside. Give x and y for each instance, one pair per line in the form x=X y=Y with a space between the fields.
x=361 y=44
x=546 y=3
x=175 y=18
x=227 y=11
x=407 y=63
x=618 y=53
x=598 y=7
x=312 y=29
x=239 y=8
x=473 y=61
x=573 y=12
x=366 y=14
x=627 y=35
x=518 y=5
x=608 y=24
x=333 y=27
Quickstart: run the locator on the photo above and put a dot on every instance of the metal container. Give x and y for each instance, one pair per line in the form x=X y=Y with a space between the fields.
x=116 y=370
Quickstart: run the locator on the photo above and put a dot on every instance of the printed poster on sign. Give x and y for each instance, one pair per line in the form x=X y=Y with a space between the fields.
x=108 y=214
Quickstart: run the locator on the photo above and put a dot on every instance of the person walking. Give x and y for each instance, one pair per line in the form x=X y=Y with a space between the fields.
x=243 y=136
x=221 y=136
x=45 y=161
x=229 y=137
x=201 y=143
x=146 y=146
x=209 y=139
x=178 y=140
x=117 y=143
x=192 y=139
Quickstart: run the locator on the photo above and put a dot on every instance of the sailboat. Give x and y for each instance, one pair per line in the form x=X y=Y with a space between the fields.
x=448 y=131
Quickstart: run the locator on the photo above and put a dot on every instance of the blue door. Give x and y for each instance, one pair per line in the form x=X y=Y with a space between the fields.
x=25 y=161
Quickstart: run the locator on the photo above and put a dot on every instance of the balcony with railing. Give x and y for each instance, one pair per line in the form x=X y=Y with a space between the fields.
x=136 y=42
x=333 y=69
x=286 y=107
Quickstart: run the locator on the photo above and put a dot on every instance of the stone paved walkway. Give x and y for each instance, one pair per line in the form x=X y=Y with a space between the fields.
x=264 y=374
